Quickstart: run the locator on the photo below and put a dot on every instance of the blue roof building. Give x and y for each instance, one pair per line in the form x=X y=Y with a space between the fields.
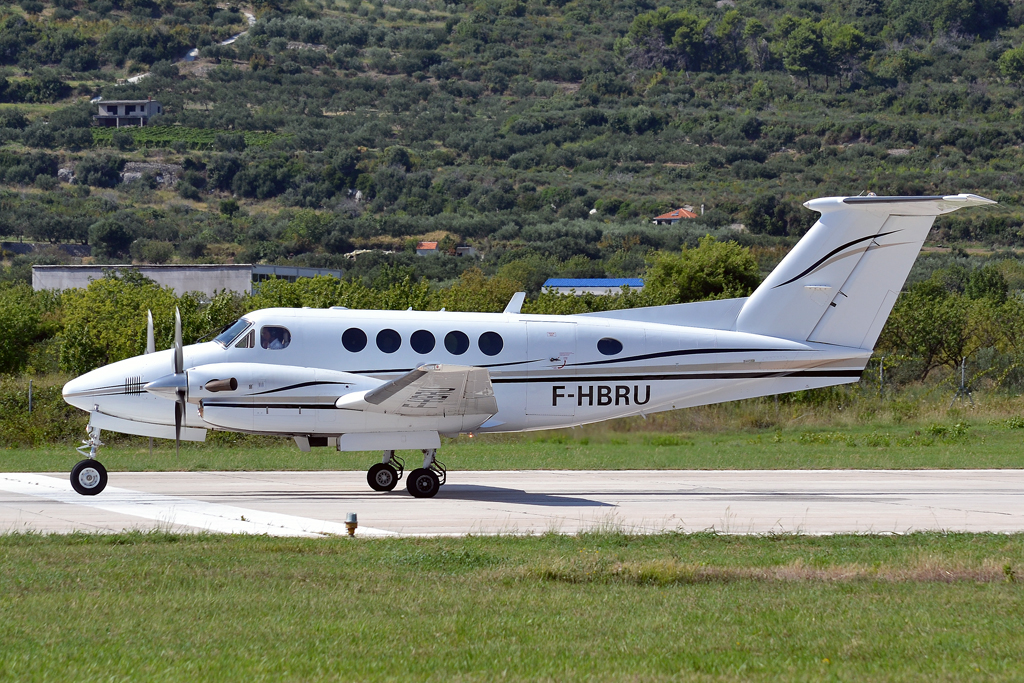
x=592 y=285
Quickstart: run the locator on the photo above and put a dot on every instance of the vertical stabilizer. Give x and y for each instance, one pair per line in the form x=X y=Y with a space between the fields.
x=839 y=283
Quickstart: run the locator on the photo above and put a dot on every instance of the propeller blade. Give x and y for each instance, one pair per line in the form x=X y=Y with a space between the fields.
x=179 y=359
x=150 y=339
x=179 y=407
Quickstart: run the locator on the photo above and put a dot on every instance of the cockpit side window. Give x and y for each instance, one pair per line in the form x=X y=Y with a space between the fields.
x=275 y=337
x=230 y=332
x=248 y=341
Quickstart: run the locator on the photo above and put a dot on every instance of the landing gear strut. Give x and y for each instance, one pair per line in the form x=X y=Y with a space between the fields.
x=89 y=477
x=426 y=481
x=384 y=476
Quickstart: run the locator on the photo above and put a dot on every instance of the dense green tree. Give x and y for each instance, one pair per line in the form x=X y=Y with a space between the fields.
x=106 y=322
x=111 y=237
x=1011 y=65
x=99 y=171
x=19 y=325
x=712 y=270
x=804 y=52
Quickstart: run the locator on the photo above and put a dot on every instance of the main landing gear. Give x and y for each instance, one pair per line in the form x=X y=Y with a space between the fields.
x=89 y=477
x=384 y=476
x=422 y=482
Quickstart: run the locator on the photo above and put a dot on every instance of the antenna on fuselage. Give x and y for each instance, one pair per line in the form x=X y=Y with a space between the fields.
x=150 y=339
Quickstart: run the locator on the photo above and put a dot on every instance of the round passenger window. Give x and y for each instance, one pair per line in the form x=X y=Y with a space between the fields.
x=422 y=341
x=388 y=341
x=491 y=343
x=354 y=339
x=456 y=342
x=274 y=337
x=609 y=346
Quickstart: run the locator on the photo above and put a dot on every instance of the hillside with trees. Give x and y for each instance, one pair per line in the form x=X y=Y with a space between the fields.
x=501 y=124
x=544 y=133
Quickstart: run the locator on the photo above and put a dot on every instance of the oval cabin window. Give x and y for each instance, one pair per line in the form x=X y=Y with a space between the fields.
x=388 y=341
x=456 y=342
x=274 y=337
x=422 y=341
x=491 y=343
x=609 y=346
x=354 y=340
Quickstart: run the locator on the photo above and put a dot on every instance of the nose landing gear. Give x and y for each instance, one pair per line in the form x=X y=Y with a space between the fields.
x=89 y=477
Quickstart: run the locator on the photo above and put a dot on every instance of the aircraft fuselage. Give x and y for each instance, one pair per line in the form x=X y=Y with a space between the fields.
x=547 y=371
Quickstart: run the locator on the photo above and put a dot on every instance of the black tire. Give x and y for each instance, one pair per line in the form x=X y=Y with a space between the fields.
x=423 y=483
x=89 y=477
x=382 y=477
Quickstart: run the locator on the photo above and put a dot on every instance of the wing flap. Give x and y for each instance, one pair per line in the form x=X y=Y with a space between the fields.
x=429 y=391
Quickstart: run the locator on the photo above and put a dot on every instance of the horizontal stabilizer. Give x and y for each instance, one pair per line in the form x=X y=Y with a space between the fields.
x=429 y=391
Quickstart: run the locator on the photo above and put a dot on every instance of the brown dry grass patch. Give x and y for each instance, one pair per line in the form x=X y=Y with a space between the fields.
x=671 y=572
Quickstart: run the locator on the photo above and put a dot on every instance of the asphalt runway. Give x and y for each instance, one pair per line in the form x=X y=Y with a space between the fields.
x=525 y=502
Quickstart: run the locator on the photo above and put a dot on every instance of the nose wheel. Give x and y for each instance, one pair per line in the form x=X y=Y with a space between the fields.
x=89 y=477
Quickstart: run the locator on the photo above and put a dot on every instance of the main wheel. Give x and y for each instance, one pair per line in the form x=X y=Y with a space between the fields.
x=423 y=483
x=89 y=477
x=382 y=477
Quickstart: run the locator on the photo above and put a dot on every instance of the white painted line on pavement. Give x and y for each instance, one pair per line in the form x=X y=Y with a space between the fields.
x=173 y=511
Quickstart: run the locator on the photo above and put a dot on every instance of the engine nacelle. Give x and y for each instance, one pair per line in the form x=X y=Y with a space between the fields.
x=233 y=381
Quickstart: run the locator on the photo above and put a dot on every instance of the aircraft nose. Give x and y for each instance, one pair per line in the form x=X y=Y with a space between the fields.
x=117 y=387
x=83 y=392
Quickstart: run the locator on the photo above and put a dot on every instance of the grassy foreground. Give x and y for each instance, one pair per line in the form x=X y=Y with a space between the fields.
x=948 y=444
x=597 y=607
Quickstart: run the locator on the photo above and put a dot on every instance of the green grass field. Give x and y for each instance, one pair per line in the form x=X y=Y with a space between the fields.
x=925 y=607
x=943 y=445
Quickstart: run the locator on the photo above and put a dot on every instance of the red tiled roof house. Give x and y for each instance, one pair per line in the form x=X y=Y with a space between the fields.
x=673 y=217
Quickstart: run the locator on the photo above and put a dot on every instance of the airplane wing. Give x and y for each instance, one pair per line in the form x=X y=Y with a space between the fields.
x=429 y=390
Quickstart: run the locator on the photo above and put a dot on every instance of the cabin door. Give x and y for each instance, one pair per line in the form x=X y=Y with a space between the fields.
x=551 y=348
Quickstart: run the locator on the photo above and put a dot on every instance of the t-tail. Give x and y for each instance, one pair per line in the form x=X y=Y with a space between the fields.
x=840 y=282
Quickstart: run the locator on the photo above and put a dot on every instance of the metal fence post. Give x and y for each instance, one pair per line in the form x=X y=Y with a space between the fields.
x=30 y=397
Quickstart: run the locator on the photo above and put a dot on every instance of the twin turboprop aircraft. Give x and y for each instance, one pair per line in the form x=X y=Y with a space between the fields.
x=360 y=380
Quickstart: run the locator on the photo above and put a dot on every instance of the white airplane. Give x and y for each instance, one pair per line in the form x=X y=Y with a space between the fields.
x=360 y=380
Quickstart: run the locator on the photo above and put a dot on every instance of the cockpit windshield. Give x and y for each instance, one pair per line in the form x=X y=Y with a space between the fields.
x=225 y=337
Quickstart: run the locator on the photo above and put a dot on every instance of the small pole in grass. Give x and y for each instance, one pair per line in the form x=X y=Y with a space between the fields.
x=963 y=390
x=30 y=397
x=881 y=376
x=151 y=447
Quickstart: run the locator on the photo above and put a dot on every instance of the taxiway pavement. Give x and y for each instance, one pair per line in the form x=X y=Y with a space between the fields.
x=521 y=502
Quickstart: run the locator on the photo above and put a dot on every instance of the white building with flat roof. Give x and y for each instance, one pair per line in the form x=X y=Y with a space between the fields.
x=205 y=278
x=117 y=113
